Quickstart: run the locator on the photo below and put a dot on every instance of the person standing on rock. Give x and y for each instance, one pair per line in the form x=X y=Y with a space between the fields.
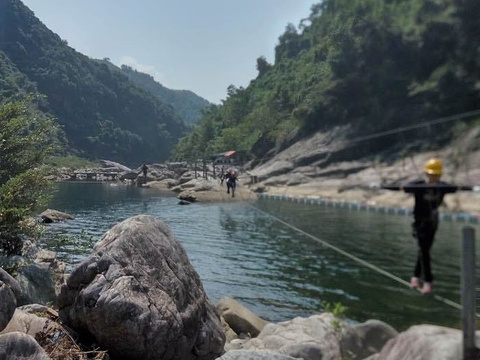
x=144 y=170
x=428 y=197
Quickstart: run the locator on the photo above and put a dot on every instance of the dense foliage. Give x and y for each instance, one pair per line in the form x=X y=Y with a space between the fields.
x=369 y=64
x=27 y=138
x=186 y=103
x=102 y=113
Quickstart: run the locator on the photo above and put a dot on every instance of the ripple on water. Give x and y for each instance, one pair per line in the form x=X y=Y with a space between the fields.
x=275 y=271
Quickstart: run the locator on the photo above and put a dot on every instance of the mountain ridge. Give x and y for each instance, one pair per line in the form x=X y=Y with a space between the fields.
x=102 y=112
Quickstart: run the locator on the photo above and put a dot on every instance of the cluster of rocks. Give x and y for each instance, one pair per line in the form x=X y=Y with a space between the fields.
x=137 y=296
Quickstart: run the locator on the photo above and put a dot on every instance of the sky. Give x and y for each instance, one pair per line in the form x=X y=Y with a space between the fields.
x=198 y=45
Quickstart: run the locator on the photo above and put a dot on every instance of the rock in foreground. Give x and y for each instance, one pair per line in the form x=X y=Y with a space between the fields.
x=424 y=342
x=322 y=337
x=7 y=304
x=239 y=318
x=19 y=346
x=140 y=297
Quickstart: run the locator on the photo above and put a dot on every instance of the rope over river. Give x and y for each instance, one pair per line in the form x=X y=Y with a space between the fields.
x=276 y=270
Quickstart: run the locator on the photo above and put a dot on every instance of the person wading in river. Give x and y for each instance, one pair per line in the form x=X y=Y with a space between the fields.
x=428 y=197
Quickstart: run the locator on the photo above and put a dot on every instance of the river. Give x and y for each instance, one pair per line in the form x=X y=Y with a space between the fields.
x=275 y=271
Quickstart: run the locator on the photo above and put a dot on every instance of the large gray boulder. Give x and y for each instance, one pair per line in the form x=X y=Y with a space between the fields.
x=424 y=342
x=254 y=355
x=239 y=318
x=50 y=216
x=140 y=297
x=8 y=303
x=322 y=337
x=19 y=346
x=36 y=285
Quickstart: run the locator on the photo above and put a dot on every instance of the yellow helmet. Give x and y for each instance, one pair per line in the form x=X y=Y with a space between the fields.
x=434 y=167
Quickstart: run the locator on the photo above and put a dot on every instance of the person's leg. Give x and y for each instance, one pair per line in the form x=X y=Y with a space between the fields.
x=417 y=272
x=426 y=246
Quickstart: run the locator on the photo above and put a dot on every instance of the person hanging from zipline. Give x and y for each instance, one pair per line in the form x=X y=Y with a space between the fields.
x=428 y=197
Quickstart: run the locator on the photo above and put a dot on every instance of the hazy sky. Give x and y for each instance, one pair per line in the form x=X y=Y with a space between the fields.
x=200 y=45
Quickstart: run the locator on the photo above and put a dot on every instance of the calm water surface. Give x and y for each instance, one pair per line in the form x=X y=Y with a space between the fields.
x=275 y=271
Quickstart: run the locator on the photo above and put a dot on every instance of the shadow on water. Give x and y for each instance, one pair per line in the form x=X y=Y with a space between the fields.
x=277 y=272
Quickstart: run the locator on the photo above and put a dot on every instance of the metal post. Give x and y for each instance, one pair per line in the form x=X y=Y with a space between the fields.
x=195 y=168
x=470 y=351
x=213 y=165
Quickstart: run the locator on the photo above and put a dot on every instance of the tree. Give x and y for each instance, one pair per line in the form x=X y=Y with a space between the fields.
x=262 y=66
x=27 y=137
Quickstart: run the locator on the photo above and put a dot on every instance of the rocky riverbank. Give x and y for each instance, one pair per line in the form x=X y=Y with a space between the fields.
x=303 y=170
x=180 y=177
x=137 y=296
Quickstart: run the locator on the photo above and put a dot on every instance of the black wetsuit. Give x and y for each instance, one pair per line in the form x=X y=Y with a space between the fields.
x=428 y=197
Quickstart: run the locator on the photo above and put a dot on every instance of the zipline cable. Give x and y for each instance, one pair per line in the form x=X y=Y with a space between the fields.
x=355 y=258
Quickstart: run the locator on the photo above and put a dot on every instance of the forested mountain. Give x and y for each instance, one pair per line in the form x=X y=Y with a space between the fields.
x=371 y=65
x=102 y=113
x=186 y=103
x=12 y=82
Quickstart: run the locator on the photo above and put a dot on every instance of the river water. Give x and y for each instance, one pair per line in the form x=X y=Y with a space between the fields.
x=276 y=272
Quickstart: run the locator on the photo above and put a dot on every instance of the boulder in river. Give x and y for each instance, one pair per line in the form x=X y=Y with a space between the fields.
x=188 y=195
x=140 y=297
x=50 y=216
x=239 y=318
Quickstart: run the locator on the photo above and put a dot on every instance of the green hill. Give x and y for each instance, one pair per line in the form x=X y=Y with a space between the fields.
x=363 y=65
x=186 y=103
x=102 y=113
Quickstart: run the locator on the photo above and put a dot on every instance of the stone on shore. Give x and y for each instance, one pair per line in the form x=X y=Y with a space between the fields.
x=366 y=338
x=19 y=346
x=8 y=303
x=50 y=216
x=29 y=323
x=140 y=297
x=128 y=175
x=36 y=284
x=12 y=284
x=424 y=342
x=188 y=196
x=321 y=337
x=239 y=318
x=111 y=164
x=162 y=184
x=254 y=355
